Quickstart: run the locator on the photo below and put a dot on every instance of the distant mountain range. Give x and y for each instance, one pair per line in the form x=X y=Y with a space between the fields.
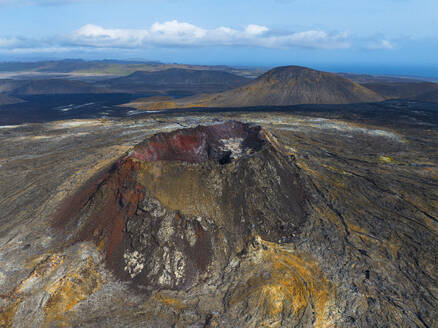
x=282 y=86
x=177 y=79
x=62 y=66
x=169 y=81
x=209 y=86
x=114 y=67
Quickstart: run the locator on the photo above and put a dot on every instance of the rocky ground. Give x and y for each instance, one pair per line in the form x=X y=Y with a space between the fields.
x=328 y=220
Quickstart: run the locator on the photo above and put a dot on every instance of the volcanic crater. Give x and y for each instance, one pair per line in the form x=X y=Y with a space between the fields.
x=180 y=205
x=221 y=143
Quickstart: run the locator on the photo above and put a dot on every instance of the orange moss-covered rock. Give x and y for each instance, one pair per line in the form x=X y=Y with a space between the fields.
x=70 y=290
x=169 y=301
x=7 y=314
x=283 y=284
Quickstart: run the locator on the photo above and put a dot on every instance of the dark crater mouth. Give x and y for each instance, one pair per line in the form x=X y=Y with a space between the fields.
x=222 y=143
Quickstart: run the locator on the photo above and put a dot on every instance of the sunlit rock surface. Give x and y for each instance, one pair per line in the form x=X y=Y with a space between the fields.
x=181 y=205
x=268 y=220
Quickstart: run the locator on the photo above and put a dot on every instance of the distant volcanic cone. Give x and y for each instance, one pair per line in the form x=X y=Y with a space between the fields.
x=281 y=86
x=180 y=205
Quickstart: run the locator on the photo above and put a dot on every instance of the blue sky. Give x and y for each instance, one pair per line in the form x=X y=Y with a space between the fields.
x=373 y=36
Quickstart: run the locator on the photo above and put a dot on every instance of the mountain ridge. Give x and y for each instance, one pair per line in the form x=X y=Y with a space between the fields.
x=180 y=79
x=282 y=86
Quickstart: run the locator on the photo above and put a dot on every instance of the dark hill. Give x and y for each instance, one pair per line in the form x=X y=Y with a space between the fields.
x=178 y=79
x=424 y=91
x=53 y=86
x=289 y=85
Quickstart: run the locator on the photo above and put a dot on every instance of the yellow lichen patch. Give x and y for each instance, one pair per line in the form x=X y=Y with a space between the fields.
x=355 y=228
x=7 y=314
x=169 y=301
x=34 y=261
x=47 y=264
x=275 y=143
x=309 y=280
x=282 y=290
x=42 y=265
x=72 y=289
x=101 y=245
x=289 y=284
x=303 y=165
x=387 y=159
x=318 y=176
x=337 y=170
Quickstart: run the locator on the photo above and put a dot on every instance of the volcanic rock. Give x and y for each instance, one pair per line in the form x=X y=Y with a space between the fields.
x=182 y=204
x=324 y=220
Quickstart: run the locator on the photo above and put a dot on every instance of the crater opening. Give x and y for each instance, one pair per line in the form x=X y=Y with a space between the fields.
x=222 y=143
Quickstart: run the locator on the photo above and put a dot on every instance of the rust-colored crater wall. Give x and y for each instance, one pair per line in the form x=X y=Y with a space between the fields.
x=197 y=145
x=98 y=210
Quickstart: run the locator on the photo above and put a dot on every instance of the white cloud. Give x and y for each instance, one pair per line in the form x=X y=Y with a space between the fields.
x=385 y=44
x=381 y=45
x=8 y=42
x=312 y=39
x=177 y=29
x=256 y=29
x=174 y=33
x=96 y=36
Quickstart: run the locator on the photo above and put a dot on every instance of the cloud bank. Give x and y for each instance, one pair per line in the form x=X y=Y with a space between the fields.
x=182 y=34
